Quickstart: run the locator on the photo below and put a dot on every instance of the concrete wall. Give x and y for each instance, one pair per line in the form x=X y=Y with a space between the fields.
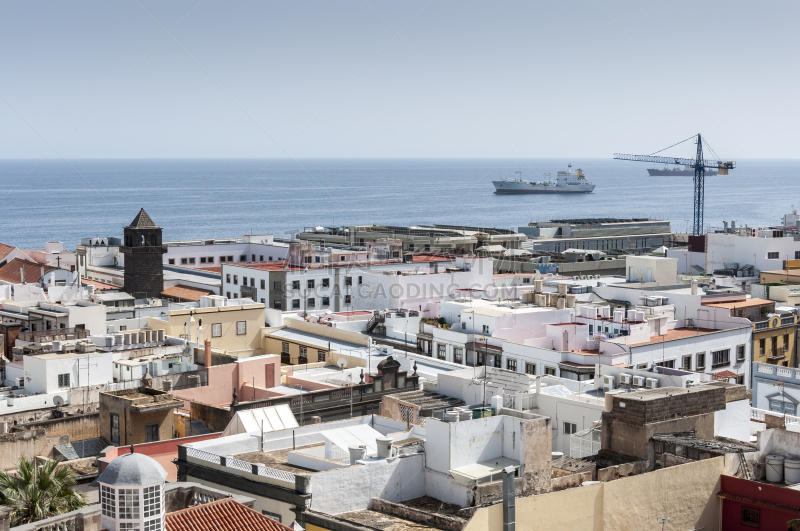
x=352 y=488
x=76 y=428
x=629 y=503
x=28 y=443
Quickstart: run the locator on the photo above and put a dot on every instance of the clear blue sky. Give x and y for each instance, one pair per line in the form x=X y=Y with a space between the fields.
x=396 y=79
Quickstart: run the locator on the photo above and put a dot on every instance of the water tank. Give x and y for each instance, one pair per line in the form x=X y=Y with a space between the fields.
x=357 y=453
x=556 y=455
x=384 y=446
x=791 y=469
x=465 y=414
x=451 y=416
x=775 y=468
x=497 y=404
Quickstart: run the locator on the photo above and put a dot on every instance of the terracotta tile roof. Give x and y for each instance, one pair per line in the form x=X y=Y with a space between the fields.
x=5 y=249
x=724 y=375
x=676 y=333
x=99 y=286
x=33 y=271
x=222 y=515
x=186 y=293
x=738 y=305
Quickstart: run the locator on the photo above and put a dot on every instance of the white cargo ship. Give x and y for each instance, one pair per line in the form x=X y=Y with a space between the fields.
x=567 y=182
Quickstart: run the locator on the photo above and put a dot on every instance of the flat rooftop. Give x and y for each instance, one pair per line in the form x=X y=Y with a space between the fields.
x=279 y=459
x=741 y=304
x=676 y=333
x=387 y=522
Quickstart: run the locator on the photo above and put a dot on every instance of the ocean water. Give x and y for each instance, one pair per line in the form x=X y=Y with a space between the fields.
x=208 y=198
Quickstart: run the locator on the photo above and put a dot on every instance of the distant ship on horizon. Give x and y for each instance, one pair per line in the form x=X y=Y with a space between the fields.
x=687 y=171
x=567 y=182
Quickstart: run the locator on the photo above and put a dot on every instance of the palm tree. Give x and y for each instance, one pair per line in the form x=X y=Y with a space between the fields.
x=39 y=492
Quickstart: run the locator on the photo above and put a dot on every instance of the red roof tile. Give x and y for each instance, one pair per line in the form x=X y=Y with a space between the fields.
x=186 y=293
x=5 y=249
x=221 y=515
x=99 y=286
x=33 y=271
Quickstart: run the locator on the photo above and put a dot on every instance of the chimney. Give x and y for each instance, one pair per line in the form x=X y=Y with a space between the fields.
x=207 y=345
x=509 y=501
x=22 y=275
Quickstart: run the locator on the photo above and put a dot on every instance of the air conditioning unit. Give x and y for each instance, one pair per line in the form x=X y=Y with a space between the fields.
x=625 y=378
x=638 y=381
x=609 y=383
x=652 y=383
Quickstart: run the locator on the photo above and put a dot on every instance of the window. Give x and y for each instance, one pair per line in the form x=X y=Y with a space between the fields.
x=701 y=361
x=276 y=286
x=202 y=259
x=152 y=525
x=222 y=259
x=348 y=281
x=216 y=330
x=63 y=380
x=261 y=258
x=720 y=358
x=751 y=517
x=740 y=379
x=151 y=433
x=243 y=258
x=740 y=351
x=263 y=284
x=284 y=348
x=441 y=351
x=236 y=279
x=342 y=258
x=170 y=261
x=184 y=261
x=295 y=304
x=785 y=344
x=570 y=428
x=782 y=403
x=463 y=326
x=107 y=501
x=687 y=363
x=303 y=355
x=274 y=516
x=511 y=364
x=230 y=259
x=642 y=366
x=210 y=259
x=235 y=295
x=295 y=284
x=321 y=355
x=253 y=257
x=550 y=370
x=360 y=281
x=347 y=299
x=797 y=255
x=458 y=355
x=114 y=428
x=772 y=256
x=326 y=301
x=241 y=328
x=670 y=364
x=530 y=368
x=276 y=305
x=128 y=526
x=310 y=284
x=326 y=282
x=485 y=329
x=228 y=294
x=312 y=303
x=526 y=280
x=123 y=328
x=191 y=260
x=129 y=504
x=252 y=282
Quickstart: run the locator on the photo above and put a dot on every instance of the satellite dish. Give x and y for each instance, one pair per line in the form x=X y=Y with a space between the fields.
x=342 y=363
x=58 y=401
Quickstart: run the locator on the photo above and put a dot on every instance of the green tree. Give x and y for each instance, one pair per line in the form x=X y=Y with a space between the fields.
x=39 y=491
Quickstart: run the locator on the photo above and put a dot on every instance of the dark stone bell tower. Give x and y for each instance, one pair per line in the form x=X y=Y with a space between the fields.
x=144 y=267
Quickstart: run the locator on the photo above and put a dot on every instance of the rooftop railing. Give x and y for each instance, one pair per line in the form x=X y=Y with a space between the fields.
x=276 y=476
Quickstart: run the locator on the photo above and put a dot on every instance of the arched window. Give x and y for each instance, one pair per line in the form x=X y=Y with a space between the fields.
x=143 y=242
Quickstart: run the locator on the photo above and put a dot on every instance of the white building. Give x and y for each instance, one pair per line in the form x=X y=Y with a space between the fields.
x=215 y=252
x=652 y=269
x=40 y=316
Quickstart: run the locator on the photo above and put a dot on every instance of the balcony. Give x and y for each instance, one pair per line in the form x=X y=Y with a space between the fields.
x=55 y=334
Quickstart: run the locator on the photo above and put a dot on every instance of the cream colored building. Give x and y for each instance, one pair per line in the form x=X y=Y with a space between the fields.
x=653 y=270
x=234 y=329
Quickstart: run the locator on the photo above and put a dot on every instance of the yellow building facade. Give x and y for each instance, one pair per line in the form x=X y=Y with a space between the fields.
x=774 y=340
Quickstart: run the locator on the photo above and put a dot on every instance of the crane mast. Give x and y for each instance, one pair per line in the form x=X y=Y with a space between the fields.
x=699 y=163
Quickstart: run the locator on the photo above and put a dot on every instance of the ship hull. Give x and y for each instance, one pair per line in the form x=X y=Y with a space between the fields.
x=678 y=173
x=502 y=187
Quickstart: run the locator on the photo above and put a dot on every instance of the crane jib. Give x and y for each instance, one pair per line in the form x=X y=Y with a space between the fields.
x=679 y=161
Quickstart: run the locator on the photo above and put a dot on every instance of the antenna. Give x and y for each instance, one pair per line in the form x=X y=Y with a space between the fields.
x=342 y=363
x=58 y=401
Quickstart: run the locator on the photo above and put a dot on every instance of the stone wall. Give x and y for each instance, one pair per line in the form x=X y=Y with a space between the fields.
x=77 y=427
x=27 y=443
x=636 y=410
x=216 y=418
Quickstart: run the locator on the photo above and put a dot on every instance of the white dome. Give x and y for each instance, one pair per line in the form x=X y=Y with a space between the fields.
x=132 y=470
